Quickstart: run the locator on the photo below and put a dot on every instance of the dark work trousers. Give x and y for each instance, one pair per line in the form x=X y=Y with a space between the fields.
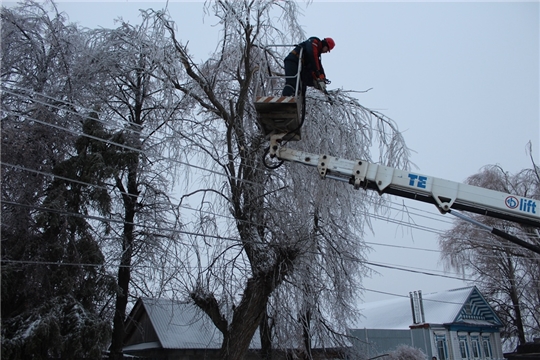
x=291 y=68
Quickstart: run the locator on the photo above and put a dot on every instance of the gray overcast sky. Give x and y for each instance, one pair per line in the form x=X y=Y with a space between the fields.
x=460 y=79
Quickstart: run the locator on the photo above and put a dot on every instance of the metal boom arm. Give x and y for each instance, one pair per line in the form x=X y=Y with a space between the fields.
x=445 y=194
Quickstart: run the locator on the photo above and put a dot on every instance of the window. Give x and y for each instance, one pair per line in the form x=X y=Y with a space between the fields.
x=475 y=345
x=487 y=347
x=463 y=348
x=442 y=351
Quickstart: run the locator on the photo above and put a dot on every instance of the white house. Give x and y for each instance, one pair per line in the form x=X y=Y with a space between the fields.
x=451 y=325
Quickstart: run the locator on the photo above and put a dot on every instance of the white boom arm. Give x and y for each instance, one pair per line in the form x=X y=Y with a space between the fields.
x=445 y=194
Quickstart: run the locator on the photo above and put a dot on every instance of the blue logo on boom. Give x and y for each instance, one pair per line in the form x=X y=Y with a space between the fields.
x=525 y=205
x=417 y=181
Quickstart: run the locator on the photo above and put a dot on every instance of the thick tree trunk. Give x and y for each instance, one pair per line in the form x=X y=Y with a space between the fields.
x=247 y=317
x=249 y=313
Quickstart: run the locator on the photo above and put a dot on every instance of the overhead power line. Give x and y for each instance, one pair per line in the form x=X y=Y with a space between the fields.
x=156 y=156
x=197 y=167
x=121 y=221
x=79 y=133
x=372 y=215
x=369 y=263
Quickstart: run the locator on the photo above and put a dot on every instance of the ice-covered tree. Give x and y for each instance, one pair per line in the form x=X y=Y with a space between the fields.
x=405 y=352
x=51 y=302
x=507 y=274
x=138 y=155
x=276 y=249
x=89 y=161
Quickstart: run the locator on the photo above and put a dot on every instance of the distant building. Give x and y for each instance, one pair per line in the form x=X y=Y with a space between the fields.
x=169 y=329
x=451 y=325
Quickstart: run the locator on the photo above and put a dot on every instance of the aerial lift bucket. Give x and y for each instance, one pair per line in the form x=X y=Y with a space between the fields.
x=277 y=114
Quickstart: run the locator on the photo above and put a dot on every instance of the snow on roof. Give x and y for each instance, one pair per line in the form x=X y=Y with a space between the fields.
x=181 y=325
x=439 y=308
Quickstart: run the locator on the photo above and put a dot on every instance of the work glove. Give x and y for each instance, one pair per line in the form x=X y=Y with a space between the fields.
x=321 y=85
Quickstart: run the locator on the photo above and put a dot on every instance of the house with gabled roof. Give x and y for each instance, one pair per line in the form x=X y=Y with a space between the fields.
x=171 y=329
x=450 y=325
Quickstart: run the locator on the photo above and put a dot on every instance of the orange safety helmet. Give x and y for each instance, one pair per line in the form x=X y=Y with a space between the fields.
x=331 y=43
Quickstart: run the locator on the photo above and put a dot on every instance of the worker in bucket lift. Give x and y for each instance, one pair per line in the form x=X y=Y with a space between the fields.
x=312 y=73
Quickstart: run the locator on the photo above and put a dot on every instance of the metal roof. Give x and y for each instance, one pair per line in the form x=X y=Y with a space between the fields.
x=181 y=325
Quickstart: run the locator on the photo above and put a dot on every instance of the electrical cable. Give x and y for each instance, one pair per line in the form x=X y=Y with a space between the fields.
x=403 y=223
x=68 y=110
x=120 y=144
x=90 y=111
x=107 y=141
x=142 y=152
x=388 y=266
